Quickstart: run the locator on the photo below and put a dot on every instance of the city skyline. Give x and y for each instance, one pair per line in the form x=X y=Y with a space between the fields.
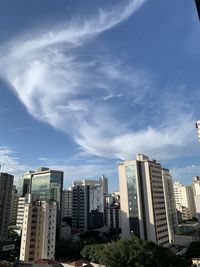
x=84 y=88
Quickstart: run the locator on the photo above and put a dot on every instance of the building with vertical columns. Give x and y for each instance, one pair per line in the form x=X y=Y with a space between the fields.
x=39 y=230
x=6 y=187
x=142 y=200
x=172 y=220
x=184 y=199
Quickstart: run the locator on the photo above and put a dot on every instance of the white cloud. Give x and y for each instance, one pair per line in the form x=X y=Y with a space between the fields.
x=77 y=94
x=185 y=173
x=10 y=163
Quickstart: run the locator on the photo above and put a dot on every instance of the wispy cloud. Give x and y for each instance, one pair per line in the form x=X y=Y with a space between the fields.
x=185 y=173
x=93 y=98
x=10 y=163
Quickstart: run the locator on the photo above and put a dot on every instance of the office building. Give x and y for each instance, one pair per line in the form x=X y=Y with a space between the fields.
x=14 y=206
x=6 y=186
x=67 y=203
x=39 y=230
x=142 y=200
x=26 y=183
x=172 y=220
x=47 y=184
x=88 y=203
x=184 y=199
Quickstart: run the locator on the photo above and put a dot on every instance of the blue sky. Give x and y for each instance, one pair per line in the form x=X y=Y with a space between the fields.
x=86 y=84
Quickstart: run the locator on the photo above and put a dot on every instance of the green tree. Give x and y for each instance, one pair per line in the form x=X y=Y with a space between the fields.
x=133 y=252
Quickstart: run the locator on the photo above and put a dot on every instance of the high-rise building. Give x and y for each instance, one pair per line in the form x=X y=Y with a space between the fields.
x=6 y=186
x=113 y=211
x=47 y=184
x=26 y=180
x=142 y=200
x=172 y=220
x=88 y=203
x=20 y=212
x=67 y=203
x=14 y=206
x=184 y=199
x=196 y=193
x=39 y=230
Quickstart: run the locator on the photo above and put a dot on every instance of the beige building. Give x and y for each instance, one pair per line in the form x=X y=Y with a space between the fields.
x=172 y=220
x=20 y=212
x=39 y=230
x=184 y=199
x=143 y=209
x=6 y=186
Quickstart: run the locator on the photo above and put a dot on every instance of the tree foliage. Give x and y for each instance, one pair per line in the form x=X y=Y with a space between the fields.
x=132 y=252
x=193 y=250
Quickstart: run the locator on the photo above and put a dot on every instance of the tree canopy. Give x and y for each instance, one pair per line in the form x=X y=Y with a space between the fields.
x=133 y=252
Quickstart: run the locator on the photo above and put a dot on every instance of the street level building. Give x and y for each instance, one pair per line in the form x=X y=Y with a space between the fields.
x=6 y=186
x=142 y=200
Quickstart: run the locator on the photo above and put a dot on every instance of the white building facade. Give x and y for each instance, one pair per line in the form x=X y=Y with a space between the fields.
x=172 y=220
x=39 y=231
x=184 y=199
x=143 y=209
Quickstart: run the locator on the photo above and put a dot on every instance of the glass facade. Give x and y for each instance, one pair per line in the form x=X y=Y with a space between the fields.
x=132 y=199
x=48 y=186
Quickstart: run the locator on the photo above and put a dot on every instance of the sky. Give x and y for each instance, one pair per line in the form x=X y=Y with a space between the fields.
x=87 y=84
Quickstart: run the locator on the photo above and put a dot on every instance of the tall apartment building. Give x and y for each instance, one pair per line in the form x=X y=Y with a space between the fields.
x=88 y=203
x=172 y=220
x=196 y=193
x=39 y=230
x=20 y=212
x=14 y=206
x=113 y=211
x=143 y=209
x=6 y=186
x=184 y=199
x=67 y=203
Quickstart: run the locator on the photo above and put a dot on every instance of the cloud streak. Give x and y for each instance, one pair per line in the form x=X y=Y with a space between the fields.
x=62 y=83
